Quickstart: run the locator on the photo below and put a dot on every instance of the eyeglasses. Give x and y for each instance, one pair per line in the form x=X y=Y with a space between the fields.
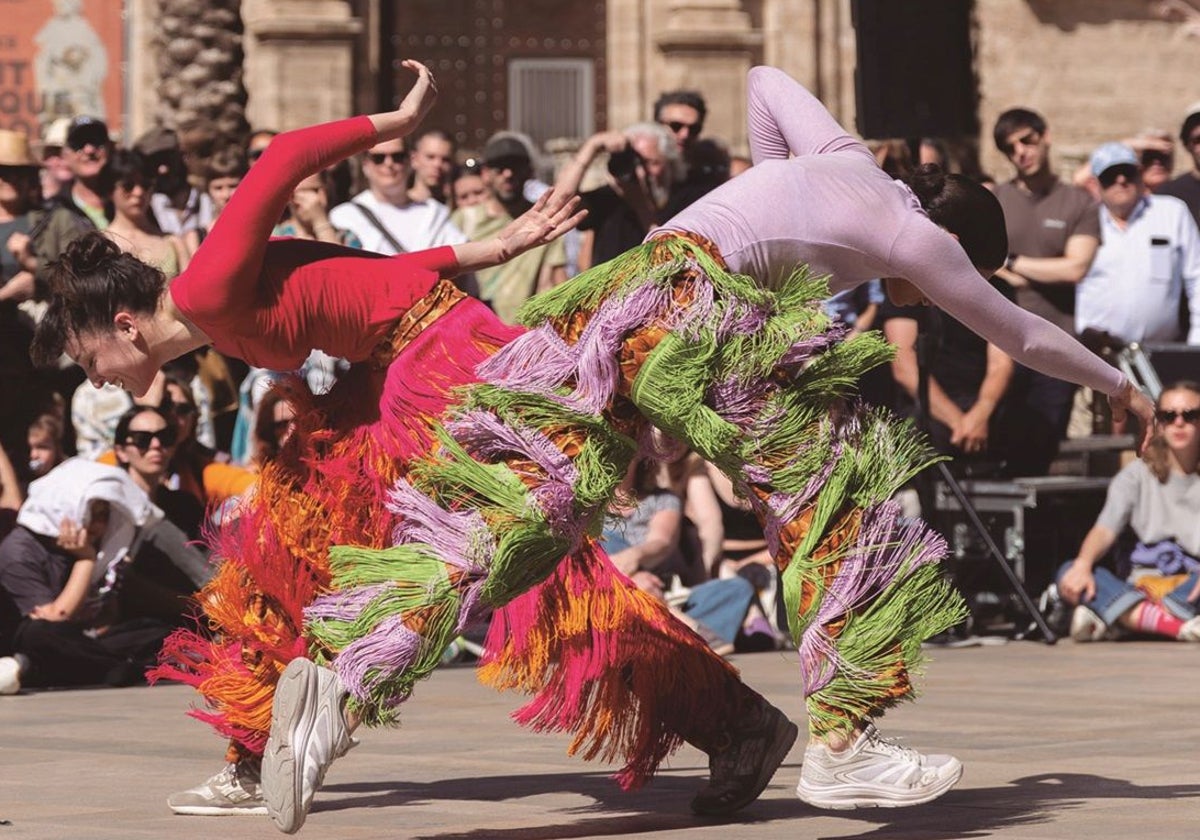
x=255 y=154
x=677 y=126
x=1167 y=416
x=141 y=440
x=378 y=158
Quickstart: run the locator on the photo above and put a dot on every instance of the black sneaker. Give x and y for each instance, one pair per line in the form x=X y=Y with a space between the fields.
x=742 y=770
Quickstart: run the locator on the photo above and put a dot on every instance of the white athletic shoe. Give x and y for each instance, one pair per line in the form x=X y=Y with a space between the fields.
x=235 y=791
x=10 y=675
x=308 y=731
x=1189 y=632
x=1086 y=626
x=874 y=773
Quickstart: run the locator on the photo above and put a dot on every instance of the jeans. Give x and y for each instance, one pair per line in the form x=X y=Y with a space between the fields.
x=1114 y=597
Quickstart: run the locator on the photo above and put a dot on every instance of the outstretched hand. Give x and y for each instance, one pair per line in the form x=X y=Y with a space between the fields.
x=424 y=93
x=549 y=218
x=1128 y=400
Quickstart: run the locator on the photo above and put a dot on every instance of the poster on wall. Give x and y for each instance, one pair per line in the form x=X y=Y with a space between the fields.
x=60 y=58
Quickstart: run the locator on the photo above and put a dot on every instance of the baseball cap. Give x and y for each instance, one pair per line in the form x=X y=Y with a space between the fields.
x=84 y=130
x=1110 y=155
x=504 y=148
x=55 y=134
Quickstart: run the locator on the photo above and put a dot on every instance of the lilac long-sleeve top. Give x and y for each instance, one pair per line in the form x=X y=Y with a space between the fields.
x=816 y=196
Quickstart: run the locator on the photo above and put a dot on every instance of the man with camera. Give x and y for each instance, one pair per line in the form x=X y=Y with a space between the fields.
x=643 y=168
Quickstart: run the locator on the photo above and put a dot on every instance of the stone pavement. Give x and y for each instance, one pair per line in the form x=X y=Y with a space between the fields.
x=1072 y=741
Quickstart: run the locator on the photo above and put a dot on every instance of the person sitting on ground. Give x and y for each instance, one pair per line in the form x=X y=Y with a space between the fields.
x=61 y=567
x=1158 y=498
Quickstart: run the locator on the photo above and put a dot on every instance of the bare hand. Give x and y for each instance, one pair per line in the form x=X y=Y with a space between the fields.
x=545 y=221
x=310 y=207
x=1131 y=400
x=1017 y=281
x=970 y=433
x=1077 y=585
x=609 y=141
x=49 y=612
x=649 y=583
x=424 y=93
x=74 y=540
x=18 y=246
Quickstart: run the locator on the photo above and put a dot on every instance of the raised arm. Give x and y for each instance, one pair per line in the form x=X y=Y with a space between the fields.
x=785 y=119
x=222 y=274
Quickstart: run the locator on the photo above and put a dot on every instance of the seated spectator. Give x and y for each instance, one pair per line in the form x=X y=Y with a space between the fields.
x=195 y=468
x=1156 y=586
x=11 y=495
x=60 y=570
x=274 y=423
x=144 y=443
x=133 y=227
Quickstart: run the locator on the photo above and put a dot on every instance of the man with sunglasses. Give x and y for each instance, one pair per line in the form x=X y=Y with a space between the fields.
x=178 y=207
x=1148 y=261
x=1053 y=234
x=82 y=206
x=1187 y=186
x=683 y=113
x=384 y=217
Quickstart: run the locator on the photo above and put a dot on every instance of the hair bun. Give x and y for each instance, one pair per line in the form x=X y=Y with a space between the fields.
x=90 y=253
x=928 y=181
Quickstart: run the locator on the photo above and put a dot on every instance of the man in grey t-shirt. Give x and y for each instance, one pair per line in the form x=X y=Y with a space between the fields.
x=1053 y=234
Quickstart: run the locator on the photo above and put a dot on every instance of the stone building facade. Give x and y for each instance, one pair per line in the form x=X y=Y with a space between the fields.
x=1098 y=69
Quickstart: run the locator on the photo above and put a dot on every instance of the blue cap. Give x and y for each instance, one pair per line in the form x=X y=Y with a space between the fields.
x=1112 y=154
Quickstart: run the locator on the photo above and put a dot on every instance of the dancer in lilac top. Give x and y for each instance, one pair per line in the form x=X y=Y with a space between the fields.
x=816 y=196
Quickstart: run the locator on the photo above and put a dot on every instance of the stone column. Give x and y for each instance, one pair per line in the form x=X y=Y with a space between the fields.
x=708 y=45
x=299 y=61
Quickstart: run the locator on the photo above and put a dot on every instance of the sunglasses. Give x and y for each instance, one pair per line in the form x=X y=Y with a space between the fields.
x=1151 y=158
x=1167 y=417
x=181 y=409
x=378 y=158
x=255 y=154
x=141 y=440
x=1109 y=176
x=677 y=126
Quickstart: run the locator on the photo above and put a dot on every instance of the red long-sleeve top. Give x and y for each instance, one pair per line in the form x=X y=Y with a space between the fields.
x=272 y=301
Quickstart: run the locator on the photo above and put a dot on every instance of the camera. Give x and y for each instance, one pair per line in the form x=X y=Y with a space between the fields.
x=623 y=164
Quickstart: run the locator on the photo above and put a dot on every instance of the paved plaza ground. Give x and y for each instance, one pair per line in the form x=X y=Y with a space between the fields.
x=1072 y=741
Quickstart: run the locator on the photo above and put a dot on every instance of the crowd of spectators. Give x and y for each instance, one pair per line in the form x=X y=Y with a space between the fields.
x=1114 y=254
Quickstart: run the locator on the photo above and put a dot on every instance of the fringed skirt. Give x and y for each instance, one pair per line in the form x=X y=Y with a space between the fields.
x=328 y=487
x=529 y=459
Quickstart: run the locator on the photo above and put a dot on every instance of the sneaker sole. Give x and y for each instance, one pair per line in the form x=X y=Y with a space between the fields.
x=218 y=811
x=849 y=797
x=282 y=787
x=784 y=737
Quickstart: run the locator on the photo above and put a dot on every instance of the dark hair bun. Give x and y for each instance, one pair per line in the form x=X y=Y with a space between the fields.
x=928 y=181
x=90 y=253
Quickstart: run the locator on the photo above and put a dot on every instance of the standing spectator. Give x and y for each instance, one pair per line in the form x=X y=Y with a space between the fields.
x=133 y=227
x=19 y=191
x=384 y=218
x=683 y=113
x=468 y=187
x=432 y=161
x=1148 y=262
x=308 y=216
x=257 y=143
x=178 y=207
x=1187 y=185
x=1053 y=234
x=56 y=174
x=506 y=168
x=84 y=207
x=223 y=171
x=643 y=166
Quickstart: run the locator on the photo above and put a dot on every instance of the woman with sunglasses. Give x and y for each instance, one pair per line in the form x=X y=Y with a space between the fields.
x=1156 y=587
x=133 y=228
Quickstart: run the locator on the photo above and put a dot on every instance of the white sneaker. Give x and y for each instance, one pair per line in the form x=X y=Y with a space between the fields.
x=1086 y=626
x=1189 y=632
x=10 y=675
x=236 y=791
x=874 y=773
x=308 y=731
